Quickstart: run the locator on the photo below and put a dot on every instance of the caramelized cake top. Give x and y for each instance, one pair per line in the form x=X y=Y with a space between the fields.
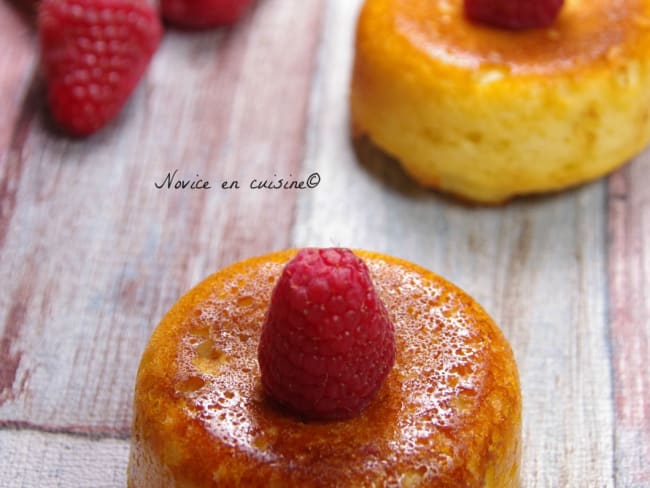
x=586 y=32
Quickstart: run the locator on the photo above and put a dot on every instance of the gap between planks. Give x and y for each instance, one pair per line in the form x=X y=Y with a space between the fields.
x=80 y=431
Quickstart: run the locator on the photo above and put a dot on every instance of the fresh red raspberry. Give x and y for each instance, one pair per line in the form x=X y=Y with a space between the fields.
x=94 y=53
x=327 y=342
x=514 y=14
x=203 y=13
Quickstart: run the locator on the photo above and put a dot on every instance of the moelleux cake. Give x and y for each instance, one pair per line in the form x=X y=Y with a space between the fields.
x=448 y=413
x=487 y=113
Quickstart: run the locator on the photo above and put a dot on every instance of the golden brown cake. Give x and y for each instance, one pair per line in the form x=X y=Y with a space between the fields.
x=487 y=114
x=448 y=415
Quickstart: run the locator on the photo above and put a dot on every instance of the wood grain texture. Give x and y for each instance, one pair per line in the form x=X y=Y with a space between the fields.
x=538 y=266
x=95 y=254
x=17 y=60
x=16 y=66
x=629 y=272
x=34 y=459
x=92 y=254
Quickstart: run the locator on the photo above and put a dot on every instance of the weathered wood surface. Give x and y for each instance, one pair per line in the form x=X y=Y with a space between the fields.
x=92 y=254
x=16 y=68
x=39 y=459
x=95 y=254
x=629 y=275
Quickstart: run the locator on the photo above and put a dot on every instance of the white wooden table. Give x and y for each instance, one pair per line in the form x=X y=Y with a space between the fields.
x=92 y=254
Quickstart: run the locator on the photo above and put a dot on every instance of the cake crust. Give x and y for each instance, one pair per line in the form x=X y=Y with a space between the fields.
x=449 y=413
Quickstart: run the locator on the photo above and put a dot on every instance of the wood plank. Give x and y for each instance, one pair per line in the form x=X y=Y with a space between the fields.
x=95 y=254
x=91 y=254
x=17 y=59
x=537 y=265
x=37 y=459
x=629 y=284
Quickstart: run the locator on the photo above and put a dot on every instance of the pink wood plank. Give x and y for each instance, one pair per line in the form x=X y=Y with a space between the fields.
x=629 y=271
x=95 y=254
x=16 y=66
x=17 y=55
x=17 y=59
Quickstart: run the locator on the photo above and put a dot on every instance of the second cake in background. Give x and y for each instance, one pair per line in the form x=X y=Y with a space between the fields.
x=487 y=113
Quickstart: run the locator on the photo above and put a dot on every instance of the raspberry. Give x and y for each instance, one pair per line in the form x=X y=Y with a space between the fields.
x=327 y=342
x=514 y=14
x=94 y=53
x=203 y=13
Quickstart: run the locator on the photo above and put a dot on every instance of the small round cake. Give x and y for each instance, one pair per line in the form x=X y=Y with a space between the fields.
x=448 y=413
x=486 y=113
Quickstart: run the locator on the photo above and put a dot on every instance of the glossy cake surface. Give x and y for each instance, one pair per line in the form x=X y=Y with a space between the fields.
x=586 y=32
x=449 y=413
x=487 y=114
